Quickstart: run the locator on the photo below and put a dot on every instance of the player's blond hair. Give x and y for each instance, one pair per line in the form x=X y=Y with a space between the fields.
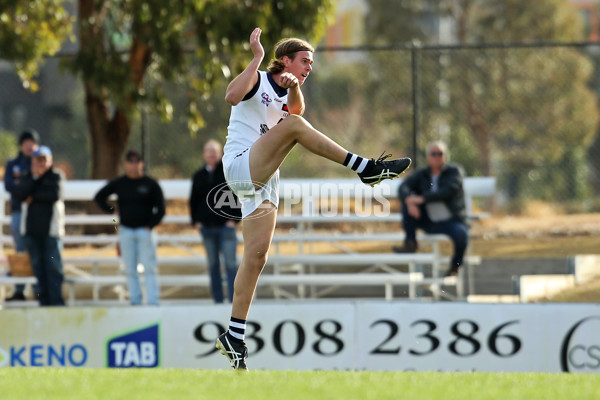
x=287 y=47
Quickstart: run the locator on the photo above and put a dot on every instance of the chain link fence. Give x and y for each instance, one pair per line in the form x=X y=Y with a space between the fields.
x=527 y=115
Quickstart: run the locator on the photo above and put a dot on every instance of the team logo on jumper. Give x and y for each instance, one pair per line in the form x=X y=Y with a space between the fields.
x=284 y=108
x=580 y=350
x=265 y=99
x=137 y=348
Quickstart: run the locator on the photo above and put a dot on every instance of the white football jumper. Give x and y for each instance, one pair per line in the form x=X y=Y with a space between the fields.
x=260 y=110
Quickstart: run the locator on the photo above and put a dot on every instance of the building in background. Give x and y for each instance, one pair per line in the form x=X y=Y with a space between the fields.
x=349 y=30
x=590 y=12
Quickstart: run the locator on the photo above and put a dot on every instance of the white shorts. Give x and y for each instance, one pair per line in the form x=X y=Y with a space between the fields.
x=237 y=175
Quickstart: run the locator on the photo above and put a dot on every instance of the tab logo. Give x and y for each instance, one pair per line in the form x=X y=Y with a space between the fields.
x=137 y=348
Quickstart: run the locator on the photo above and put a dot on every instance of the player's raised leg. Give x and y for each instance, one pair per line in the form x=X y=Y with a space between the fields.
x=268 y=152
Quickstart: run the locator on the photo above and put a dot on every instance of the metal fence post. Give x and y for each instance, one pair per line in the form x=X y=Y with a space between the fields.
x=414 y=56
x=145 y=140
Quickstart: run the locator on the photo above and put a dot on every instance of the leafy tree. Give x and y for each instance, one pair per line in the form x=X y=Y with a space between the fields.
x=130 y=50
x=403 y=21
x=8 y=148
x=527 y=109
x=30 y=30
x=532 y=105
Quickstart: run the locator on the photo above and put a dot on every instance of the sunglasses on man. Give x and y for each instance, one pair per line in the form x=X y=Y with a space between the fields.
x=436 y=153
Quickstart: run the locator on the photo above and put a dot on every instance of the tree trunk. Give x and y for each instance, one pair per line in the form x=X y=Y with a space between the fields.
x=109 y=133
x=480 y=132
x=476 y=120
x=109 y=136
x=109 y=129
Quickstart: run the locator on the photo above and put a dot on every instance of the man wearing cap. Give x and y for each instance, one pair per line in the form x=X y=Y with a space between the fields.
x=14 y=170
x=43 y=224
x=141 y=207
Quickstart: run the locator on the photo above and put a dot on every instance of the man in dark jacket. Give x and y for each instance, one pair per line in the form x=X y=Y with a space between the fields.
x=433 y=200
x=14 y=170
x=42 y=224
x=215 y=212
x=141 y=206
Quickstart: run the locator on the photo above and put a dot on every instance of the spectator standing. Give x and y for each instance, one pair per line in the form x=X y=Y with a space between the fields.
x=433 y=200
x=141 y=207
x=14 y=170
x=213 y=215
x=43 y=224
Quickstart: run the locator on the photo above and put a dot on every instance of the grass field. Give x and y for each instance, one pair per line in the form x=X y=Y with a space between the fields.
x=89 y=384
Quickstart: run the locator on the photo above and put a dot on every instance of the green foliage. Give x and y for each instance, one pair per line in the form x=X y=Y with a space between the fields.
x=8 y=147
x=403 y=21
x=535 y=102
x=514 y=113
x=31 y=30
x=522 y=21
x=70 y=141
x=132 y=51
x=221 y=29
x=172 y=152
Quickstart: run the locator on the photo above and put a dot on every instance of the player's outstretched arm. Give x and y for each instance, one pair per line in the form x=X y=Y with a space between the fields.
x=244 y=82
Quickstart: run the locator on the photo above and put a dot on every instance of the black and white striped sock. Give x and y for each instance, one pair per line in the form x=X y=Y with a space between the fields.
x=237 y=328
x=356 y=163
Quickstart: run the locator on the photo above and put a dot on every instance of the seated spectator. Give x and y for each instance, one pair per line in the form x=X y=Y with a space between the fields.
x=433 y=200
x=43 y=224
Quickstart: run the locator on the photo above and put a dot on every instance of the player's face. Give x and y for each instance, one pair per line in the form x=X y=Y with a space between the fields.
x=301 y=65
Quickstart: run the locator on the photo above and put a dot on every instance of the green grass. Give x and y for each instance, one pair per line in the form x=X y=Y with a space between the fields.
x=89 y=384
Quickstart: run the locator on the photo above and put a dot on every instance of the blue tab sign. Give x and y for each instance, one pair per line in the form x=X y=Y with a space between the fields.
x=138 y=348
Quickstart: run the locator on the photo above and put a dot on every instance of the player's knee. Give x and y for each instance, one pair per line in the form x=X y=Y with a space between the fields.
x=295 y=123
x=257 y=259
